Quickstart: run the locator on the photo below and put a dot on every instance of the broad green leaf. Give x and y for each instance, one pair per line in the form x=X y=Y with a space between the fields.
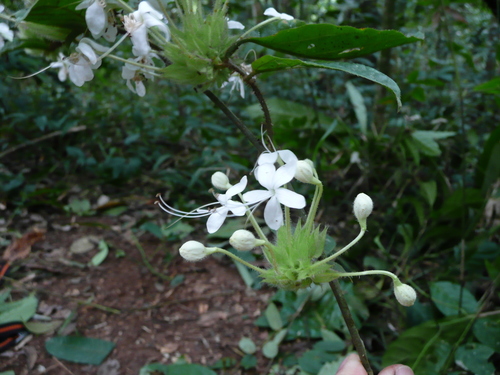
x=270 y=349
x=271 y=63
x=332 y=42
x=313 y=360
x=101 y=255
x=21 y=310
x=429 y=191
x=490 y=87
x=248 y=361
x=425 y=347
x=359 y=106
x=273 y=317
x=447 y=297
x=487 y=331
x=79 y=349
x=474 y=357
x=331 y=367
x=55 y=20
x=181 y=369
x=426 y=141
x=247 y=345
x=10 y=372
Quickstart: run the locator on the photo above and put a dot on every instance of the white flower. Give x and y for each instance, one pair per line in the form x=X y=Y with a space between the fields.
x=236 y=80
x=137 y=24
x=405 y=294
x=271 y=12
x=244 y=240
x=235 y=25
x=95 y=16
x=63 y=64
x=363 y=207
x=137 y=74
x=272 y=179
x=5 y=32
x=193 y=251
x=216 y=216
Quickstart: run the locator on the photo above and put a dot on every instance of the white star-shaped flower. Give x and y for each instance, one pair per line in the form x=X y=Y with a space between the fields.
x=271 y=12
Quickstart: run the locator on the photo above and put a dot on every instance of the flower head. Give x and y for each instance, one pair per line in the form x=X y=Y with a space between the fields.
x=273 y=179
x=95 y=16
x=193 y=251
x=220 y=181
x=5 y=32
x=363 y=206
x=244 y=240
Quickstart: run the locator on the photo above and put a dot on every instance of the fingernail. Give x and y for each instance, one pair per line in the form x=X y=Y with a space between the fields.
x=353 y=357
x=404 y=370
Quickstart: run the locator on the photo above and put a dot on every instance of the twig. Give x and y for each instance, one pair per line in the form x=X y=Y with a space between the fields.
x=146 y=261
x=349 y=321
x=61 y=364
x=42 y=138
x=230 y=115
x=268 y=123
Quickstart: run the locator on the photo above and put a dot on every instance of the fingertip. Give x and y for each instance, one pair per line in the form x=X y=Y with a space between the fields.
x=351 y=365
x=397 y=370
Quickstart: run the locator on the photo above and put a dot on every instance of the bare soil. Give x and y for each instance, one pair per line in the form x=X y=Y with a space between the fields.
x=201 y=319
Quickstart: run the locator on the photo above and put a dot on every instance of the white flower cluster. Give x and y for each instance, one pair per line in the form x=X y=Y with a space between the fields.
x=101 y=23
x=273 y=179
x=5 y=32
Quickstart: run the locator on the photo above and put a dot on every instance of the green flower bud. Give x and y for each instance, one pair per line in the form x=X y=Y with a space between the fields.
x=193 y=251
x=363 y=206
x=405 y=294
x=220 y=181
x=243 y=240
x=305 y=172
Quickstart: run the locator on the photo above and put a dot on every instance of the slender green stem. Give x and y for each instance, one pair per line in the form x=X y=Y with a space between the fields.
x=318 y=192
x=258 y=26
x=113 y=47
x=146 y=261
x=229 y=254
x=349 y=321
x=374 y=272
x=131 y=62
x=125 y=5
x=341 y=251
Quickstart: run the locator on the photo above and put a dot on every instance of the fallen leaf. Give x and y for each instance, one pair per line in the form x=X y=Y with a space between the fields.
x=211 y=318
x=21 y=247
x=83 y=244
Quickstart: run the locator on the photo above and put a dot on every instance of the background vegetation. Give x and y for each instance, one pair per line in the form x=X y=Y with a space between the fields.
x=432 y=169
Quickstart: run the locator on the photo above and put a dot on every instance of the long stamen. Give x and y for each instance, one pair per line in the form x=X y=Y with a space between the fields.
x=175 y=212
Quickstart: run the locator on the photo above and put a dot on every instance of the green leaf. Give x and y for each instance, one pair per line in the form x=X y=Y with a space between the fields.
x=359 y=106
x=21 y=310
x=426 y=141
x=181 y=369
x=332 y=42
x=474 y=357
x=40 y=328
x=79 y=349
x=101 y=255
x=247 y=345
x=271 y=63
x=248 y=362
x=447 y=296
x=490 y=87
x=425 y=347
x=270 y=349
x=487 y=331
x=429 y=191
x=273 y=317
x=10 y=372
x=488 y=168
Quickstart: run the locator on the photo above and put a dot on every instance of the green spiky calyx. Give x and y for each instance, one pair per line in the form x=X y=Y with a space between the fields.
x=294 y=254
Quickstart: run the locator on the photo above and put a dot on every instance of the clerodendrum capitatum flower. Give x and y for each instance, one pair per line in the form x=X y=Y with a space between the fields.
x=244 y=240
x=220 y=181
x=363 y=207
x=405 y=294
x=193 y=251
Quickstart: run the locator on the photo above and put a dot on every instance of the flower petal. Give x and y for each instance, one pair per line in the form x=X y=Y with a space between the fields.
x=96 y=19
x=235 y=25
x=216 y=220
x=267 y=158
x=284 y=174
x=238 y=188
x=287 y=156
x=290 y=198
x=273 y=214
x=237 y=208
x=265 y=175
x=255 y=196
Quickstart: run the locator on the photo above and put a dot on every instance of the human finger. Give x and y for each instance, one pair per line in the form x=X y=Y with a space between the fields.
x=352 y=366
x=397 y=370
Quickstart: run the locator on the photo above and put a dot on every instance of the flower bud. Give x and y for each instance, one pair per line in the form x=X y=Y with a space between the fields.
x=405 y=294
x=363 y=206
x=220 y=181
x=305 y=172
x=193 y=251
x=243 y=240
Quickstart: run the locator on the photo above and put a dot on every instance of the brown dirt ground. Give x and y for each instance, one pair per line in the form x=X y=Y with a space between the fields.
x=202 y=319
